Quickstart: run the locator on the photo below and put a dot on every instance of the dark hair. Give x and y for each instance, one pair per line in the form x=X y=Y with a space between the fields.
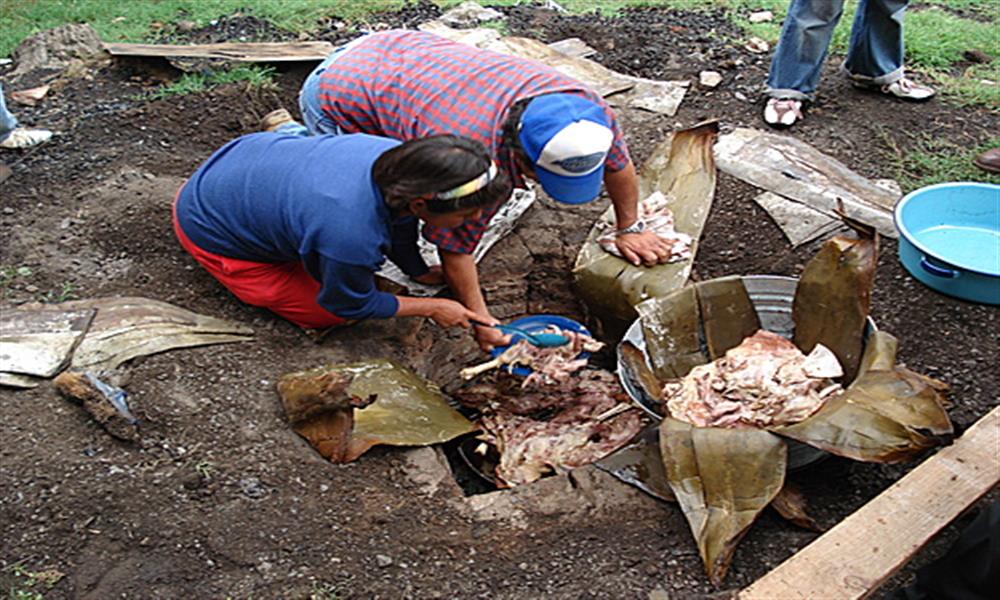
x=436 y=164
x=511 y=127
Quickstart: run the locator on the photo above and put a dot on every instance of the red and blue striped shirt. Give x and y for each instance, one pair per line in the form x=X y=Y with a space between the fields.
x=412 y=84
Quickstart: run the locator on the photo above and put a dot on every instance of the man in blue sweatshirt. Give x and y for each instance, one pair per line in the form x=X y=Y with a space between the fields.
x=301 y=225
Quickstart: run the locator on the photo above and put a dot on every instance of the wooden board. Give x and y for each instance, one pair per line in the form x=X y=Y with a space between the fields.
x=247 y=52
x=854 y=558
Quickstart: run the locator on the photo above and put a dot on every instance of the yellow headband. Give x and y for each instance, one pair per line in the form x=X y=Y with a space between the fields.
x=470 y=187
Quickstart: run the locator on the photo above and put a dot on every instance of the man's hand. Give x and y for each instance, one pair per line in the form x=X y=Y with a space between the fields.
x=448 y=313
x=433 y=277
x=489 y=337
x=644 y=248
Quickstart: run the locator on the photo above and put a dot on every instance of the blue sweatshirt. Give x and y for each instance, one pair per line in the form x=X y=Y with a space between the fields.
x=272 y=198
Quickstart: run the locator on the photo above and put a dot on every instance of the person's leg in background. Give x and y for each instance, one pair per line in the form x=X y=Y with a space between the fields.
x=12 y=136
x=316 y=122
x=798 y=59
x=875 y=54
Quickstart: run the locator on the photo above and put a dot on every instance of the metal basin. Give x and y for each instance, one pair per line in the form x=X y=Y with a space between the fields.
x=772 y=297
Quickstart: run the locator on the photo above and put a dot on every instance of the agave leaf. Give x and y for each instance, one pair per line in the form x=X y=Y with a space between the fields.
x=637 y=371
x=791 y=504
x=727 y=315
x=880 y=353
x=723 y=479
x=639 y=464
x=683 y=168
x=671 y=327
x=833 y=298
x=889 y=414
x=407 y=410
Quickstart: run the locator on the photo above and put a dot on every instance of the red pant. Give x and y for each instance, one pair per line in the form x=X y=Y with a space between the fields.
x=286 y=289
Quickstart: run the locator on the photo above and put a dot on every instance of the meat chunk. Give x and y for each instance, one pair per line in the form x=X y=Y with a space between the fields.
x=577 y=432
x=766 y=380
x=548 y=365
x=655 y=213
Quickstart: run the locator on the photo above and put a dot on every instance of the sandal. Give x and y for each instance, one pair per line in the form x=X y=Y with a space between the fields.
x=782 y=112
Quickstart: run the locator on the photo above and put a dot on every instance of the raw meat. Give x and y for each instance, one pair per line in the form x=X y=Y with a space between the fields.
x=580 y=431
x=548 y=365
x=764 y=381
x=654 y=211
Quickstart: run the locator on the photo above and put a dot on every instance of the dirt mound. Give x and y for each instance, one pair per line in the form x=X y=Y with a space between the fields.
x=57 y=48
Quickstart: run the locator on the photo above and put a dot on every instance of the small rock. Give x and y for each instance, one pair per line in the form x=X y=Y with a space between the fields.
x=252 y=488
x=709 y=79
x=8 y=210
x=659 y=594
x=382 y=560
x=31 y=289
x=186 y=25
x=761 y=16
x=740 y=96
x=757 y=45
x=977 y=56
x=469 y=14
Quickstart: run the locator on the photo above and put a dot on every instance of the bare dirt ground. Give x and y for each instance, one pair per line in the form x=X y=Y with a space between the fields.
x=221 y=499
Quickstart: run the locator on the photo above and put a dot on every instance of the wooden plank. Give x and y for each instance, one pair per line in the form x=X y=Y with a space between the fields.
x=854 y=558
x=246 y=52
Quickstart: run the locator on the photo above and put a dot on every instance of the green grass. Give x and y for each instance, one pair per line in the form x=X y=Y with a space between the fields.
x=22 y=584
x=254 y=76
x=130 y=20
x=935 y=160
x=935 y=38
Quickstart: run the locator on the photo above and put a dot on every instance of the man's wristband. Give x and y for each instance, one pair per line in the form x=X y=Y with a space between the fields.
x=638 y=227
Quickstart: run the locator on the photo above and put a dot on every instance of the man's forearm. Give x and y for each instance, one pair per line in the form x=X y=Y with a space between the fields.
x=623 y=187
x=463 y=278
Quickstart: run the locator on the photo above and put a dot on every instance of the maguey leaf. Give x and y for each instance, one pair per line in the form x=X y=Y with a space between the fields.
x=888 y=414
x=723 y=479
x=126 y=328
x=639 y=375
x=640 y=464
x=833 y=299
x=791 y=504
x=343 y=410
x=682 y=168
x=727 y=315
x=671 y=327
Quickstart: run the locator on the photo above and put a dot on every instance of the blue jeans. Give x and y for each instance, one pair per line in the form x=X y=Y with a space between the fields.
x=7 y=120
x=316 y=121
x=875 y=53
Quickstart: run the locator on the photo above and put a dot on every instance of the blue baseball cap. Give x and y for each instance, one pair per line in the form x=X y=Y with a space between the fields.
x=567 y=138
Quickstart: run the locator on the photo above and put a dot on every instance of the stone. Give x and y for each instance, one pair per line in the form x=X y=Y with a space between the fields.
x=57 y=48
x=428 y=469
x=470 y=14
x=761 y=16
x=659 y=594
x=382 y=560
x=709 y=79
x=757 y=45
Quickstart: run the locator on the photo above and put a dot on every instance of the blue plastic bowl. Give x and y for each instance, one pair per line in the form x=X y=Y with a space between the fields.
x=949 y=239
x=538 y=324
